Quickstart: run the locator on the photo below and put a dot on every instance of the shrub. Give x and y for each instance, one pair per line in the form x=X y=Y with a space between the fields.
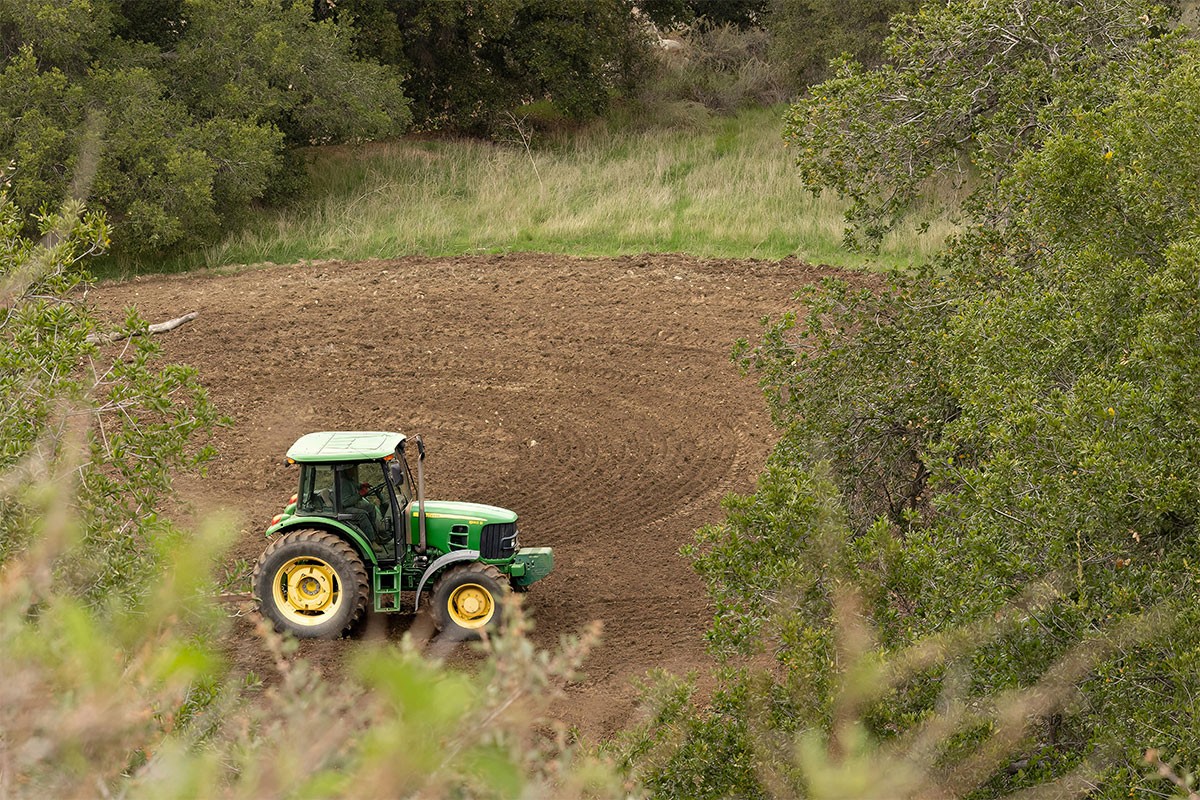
x=469 y=65
x=841 y=709
x=972 y=82
x=671 y=14
x=192 y=105
x=142 y=423
x=1022 y=409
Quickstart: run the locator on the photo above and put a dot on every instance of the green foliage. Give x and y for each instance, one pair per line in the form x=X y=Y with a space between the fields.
x=840 y=714
x=185 y=108
x=772 y=551
x=298 y=76
x=676 y=751
x=872 y=358
x=806 y=35
x=1024 y=408
x=668 y=14
x=41 y=113
x=142 y=422
x=468 y=65
x=853 y=717
x=971 y=82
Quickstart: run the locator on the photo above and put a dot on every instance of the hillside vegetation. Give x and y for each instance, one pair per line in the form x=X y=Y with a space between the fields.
x=970 y=566
x=720 y=188
x=991 y=468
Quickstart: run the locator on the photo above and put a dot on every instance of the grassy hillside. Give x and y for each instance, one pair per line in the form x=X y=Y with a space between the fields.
x=721 y=188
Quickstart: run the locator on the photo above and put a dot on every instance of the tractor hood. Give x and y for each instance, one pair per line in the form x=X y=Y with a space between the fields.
x=471 y=512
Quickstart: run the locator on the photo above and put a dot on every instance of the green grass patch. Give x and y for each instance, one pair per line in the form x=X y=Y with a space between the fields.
x=722 y=187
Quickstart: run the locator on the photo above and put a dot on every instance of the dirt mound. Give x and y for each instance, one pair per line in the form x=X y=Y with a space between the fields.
x=593 y=396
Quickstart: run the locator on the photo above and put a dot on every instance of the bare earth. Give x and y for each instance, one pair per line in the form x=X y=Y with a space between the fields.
x=593 y=396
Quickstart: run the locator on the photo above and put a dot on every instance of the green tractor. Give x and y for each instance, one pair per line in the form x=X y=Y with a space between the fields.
x=359 y=531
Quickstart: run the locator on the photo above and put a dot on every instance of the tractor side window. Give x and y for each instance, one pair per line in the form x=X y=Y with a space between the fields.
x=362 y=494
x=365 y=502
x=400 y=483
x=316 y=490
x=364 y=482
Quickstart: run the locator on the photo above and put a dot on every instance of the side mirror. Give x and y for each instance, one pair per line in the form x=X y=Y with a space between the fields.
x=396 y=472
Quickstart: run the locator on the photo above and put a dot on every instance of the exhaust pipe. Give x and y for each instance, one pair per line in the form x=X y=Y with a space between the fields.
x=421 y=495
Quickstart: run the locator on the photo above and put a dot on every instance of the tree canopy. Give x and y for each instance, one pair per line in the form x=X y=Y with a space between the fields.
x=469 y=65
x=968 y=87
x=1004 y=440
x=194 y=104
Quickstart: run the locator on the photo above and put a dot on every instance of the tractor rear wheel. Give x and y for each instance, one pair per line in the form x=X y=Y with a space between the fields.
x=311 y=583
x=467 y=600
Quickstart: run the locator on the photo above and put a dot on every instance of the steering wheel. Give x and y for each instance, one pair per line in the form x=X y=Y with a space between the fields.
x=380 y=495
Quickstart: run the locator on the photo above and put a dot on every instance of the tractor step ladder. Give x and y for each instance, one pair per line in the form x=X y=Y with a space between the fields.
x=387 y=589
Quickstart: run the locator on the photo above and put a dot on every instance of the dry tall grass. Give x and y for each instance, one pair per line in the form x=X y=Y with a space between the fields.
x=720 y=188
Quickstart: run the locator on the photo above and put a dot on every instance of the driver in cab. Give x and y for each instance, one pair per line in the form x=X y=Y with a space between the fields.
x=353 y=494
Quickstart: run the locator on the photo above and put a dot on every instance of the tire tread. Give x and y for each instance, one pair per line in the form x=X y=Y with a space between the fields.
x=487 y=570
x=340 y=547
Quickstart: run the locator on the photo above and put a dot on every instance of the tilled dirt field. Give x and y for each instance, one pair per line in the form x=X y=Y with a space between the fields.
x=593 y=396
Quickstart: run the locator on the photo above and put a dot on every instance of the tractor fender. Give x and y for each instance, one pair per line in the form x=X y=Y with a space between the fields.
x=351 y=535
x=438 y=564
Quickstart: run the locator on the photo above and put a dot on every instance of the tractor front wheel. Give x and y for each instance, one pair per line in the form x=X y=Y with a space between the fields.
x=311 y=583
x=467 y=600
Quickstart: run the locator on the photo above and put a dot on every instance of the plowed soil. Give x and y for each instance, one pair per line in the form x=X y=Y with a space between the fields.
x=595 y=397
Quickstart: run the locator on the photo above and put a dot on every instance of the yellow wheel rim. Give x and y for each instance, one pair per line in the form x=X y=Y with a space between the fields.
x=307 y=591
x=470 y=606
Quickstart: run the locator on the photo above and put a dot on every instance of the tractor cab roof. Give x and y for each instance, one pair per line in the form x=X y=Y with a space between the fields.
x=326 y=446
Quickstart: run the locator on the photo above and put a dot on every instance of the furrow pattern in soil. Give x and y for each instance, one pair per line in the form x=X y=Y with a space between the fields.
x=593 y=396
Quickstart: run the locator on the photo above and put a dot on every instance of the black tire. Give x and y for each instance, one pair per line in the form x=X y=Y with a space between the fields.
x=311 y=583
x=468 y=600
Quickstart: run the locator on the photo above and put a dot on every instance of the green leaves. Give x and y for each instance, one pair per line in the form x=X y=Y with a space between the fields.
x=196 y=101
x=1030 y=399
x=971 y=82
x=142 y=422
x=468 y=66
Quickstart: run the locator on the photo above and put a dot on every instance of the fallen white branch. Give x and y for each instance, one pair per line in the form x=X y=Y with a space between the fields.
x=158 y=327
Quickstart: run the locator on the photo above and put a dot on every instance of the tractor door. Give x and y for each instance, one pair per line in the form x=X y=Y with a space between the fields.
x=364 y=500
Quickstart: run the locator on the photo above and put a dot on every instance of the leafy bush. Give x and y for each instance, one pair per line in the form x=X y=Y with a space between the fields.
x=192 y=104
x=843 y=710
x=469 y=65
x=1023 y=409
x=972 y=81
x=671 y=14
x=141 y=423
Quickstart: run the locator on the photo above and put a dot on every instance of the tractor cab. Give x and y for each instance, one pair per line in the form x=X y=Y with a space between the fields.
x=359 y=479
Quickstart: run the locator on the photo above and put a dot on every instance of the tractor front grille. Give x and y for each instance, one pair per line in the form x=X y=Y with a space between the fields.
x=498 y=540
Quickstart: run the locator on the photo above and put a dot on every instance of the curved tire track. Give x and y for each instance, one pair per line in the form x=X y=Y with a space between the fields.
x=593 y=396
